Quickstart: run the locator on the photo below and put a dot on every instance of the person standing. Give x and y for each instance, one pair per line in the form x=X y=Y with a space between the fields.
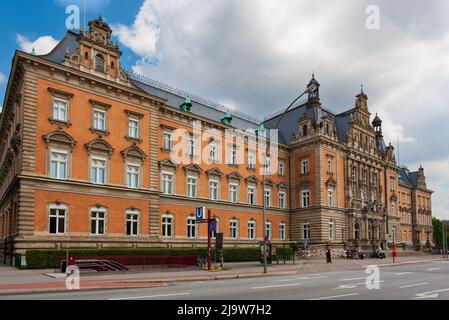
x=328 y=256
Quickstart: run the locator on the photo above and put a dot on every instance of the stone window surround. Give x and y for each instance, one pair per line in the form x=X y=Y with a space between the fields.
x=137 y=212
x=98 y=208
x=172 y=217
x=58 y=205
x=58 y=94
x=59 y=141
x=100 y=106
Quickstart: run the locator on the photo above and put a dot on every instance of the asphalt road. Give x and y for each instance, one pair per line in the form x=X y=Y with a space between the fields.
x=421 y=281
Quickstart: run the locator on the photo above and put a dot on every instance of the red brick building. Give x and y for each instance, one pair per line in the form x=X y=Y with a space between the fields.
x=86 y=162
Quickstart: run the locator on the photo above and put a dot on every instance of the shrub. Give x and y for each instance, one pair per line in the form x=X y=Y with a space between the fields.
x=49 y=259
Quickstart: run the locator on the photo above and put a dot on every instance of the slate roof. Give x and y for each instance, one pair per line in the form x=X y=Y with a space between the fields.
x=407 y=178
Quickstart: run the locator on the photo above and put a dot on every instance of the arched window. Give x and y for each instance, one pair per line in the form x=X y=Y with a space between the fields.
x=99 y=63
x=304 y=130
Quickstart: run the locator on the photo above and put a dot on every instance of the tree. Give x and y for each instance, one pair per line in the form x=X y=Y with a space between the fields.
x=438 y=232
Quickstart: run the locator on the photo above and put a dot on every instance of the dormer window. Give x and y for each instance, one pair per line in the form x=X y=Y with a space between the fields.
x=86 y=55
x=304 y=130
x=112 y=65
x=99 y=63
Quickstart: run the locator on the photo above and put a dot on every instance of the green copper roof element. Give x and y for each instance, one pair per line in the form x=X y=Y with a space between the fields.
x=187 y=105
x=261 y=129
x=33 y=52
x=227 y=119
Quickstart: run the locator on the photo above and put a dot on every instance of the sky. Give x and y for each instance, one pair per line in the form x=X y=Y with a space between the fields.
x=256 y=56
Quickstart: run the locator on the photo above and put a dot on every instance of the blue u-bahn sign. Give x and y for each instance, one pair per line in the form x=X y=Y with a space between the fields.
x=200 y=213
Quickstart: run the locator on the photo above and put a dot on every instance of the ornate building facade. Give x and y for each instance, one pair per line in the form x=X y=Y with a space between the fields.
x=86 y=162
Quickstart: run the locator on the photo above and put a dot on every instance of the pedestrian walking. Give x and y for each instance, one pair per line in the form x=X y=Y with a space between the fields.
x=328 y=256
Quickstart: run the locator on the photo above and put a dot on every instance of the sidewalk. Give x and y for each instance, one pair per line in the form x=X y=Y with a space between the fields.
x=14 y=281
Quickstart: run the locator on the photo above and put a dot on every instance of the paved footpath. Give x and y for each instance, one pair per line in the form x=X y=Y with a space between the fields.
x=13 y=281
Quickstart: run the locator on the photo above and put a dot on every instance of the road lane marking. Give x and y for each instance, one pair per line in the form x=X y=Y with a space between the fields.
x=430 y=294
x=284 y=280
x=414 y=285
x=403 y=273
x=154 y=296
x=334 y=297
x=352 y=279
x=433 y=269
x=354 y=285
x=312 y=278
x=277 y=286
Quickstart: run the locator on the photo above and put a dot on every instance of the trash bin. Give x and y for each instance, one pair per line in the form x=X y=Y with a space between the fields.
x=18 y=260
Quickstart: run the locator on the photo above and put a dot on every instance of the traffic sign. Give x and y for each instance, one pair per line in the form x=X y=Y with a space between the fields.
x=212 y=226
x=200 y=213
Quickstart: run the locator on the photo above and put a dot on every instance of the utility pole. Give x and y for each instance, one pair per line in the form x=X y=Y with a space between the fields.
x=444 y=240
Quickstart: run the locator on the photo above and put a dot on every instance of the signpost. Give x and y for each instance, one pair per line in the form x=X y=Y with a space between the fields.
x=201 y=218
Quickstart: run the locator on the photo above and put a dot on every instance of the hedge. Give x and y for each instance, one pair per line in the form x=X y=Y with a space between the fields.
x=49 y=259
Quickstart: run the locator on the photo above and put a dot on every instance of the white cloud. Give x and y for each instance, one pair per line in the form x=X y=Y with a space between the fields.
x=143 y=35
x=42 y=45
x=2 y=78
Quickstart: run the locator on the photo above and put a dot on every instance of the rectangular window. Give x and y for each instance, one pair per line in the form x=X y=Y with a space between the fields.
x=213 y=190
x=133 y=128
x=306 y=231
x=282 y=231
x=167 y=226
x=392 y=184
x=133 y=176
x=167 y=183
x=98 y=171
x=354 y=173
x=330 y=197
x=282 y=202
x=267 y=165
x=97 y=222
x=330 y=164
x=191 y=228
x=282 y=168
x=251 y=195
x=167 y=140
x=234 y=229
x=268 y=230
x=192 y=147
x=57 y=221
x=305 y=198
x=99 y=120
x=58 y=165
x=251 y=160
x=60 y=108
x=213 y=152
x=233 y=193
x=267 y=197
x=192 y=187
x=304 y=166
x=233 y=156
x=251 y=230
x=132 y=224
x=331 y=230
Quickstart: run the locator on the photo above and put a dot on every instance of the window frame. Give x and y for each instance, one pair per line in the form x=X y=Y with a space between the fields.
x=98 y=210
x=59 y=152
x=233 y=227
x=305 y=166
x=251 y=228
x=164 y=225
x=132 y=221
x=58 y=208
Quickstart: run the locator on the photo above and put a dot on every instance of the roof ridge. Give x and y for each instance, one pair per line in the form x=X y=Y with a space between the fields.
x=184 y=93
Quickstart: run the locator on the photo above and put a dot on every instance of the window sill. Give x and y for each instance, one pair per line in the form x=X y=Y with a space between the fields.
x=165 y=149
x=234 y=165
x=60 y=122
x=136 y=140
x=98 y=131
x=251 y=169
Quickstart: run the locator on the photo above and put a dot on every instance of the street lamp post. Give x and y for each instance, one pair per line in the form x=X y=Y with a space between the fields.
x=309 y=89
